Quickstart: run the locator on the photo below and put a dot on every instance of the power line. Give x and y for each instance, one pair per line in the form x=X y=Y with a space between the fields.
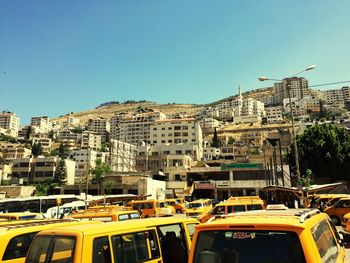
x=331 y=83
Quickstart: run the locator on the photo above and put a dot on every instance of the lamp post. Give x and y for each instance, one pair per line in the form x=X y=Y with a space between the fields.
x=291 y=113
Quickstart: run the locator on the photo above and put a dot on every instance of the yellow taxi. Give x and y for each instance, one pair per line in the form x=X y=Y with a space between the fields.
x=166 y=208
x=273 y=235
x=16 y=237
x=20 y=216
x=233 y=206
x=146 y=240
x=105 y=215
x=198 y=207
x=179 y=206
x=337 y=211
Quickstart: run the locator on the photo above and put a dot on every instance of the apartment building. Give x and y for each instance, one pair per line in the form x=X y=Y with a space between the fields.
x=85 y=160
x=338 y=98
x=90 y=140
x=12 y=151
x=154 y=157
x=122 y=156
x=10 y=123
x=299 y=88
x=176 y=131
x=209 y=124
x=39 y=169
x=46 y=144
x=100 y=126
x=134 y=129
x=43 y=124
x=274 y=114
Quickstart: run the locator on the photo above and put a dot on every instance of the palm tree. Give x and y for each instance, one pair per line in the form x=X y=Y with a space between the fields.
x=98 y=173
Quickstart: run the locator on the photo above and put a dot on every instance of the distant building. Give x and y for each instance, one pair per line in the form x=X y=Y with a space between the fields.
x=122 y=156
x=100 y=126
x=43 y=123
x=134 y=129
x=338 y=98
x=39 y=169
x=274 y=114
x=46 y=144
x=9 y=122
x=91 y=140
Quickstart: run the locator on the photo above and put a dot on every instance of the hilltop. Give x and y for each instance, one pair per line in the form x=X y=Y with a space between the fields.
x=109 y=109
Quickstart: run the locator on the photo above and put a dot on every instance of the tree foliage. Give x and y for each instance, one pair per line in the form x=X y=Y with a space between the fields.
x=98 y=173
x=216 y=142
x=60 y=176
x=63 y=151
x=325 y=149
x=37 y=149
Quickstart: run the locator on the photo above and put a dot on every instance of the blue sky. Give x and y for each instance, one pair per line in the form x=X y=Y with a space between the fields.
x=71 y=55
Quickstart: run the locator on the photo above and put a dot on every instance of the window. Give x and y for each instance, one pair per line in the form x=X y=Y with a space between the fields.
x=235 y=208
x=18 y=246
x=101 y=252
x=248 y=246
x=325 y=242
x=63 y=250
x=130 y=248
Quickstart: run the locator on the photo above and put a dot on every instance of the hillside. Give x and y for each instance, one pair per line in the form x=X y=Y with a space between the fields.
x=108 y=109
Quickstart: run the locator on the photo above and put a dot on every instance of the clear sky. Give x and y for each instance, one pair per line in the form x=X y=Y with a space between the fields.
x=71 y=55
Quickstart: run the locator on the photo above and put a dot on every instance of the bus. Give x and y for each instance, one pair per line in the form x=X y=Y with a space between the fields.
x=37 y=204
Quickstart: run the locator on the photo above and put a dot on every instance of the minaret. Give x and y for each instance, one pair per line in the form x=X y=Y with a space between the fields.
x=240 y=101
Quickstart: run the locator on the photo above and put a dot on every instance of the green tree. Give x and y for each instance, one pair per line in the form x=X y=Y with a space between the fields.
x=60 y=176
x=63 y=151
x=216 y=142
x=37 y=149
x=231 y=140
x=325 y=149
x=45 y=187
x=98 y=173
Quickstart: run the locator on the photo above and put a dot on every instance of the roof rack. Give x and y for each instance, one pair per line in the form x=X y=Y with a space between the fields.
x=36 y=223
x=307 y=214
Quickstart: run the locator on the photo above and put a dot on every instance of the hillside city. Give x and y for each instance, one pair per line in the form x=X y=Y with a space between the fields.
x=231 y=147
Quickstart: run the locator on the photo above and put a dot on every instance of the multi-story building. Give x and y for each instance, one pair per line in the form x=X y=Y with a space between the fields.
x=12 y=151
x=299 y=88
x=39 y=169
x=43 y=123
x=134 y=129
x=46 y=144
x=209 y=124
x=176 y=131
x=122 y=156
x=10 y=123
x=91 y=140
x=85 y=159
x=100 y=126
x=274 y=113
x=338 y=98
x=247 y=119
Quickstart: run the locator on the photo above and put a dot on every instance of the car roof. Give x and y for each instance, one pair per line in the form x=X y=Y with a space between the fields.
x=296 y=218
x=121 y=225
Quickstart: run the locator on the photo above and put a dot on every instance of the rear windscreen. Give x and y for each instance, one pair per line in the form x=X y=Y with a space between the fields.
x=248 y=246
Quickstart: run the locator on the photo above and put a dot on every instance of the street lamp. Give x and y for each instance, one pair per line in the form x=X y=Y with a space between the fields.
x=311 y=67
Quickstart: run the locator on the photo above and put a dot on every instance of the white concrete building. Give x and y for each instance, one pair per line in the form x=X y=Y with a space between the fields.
x=122 y=156
x=247 y=119
x=175 y=131
x=85 y=160
x=46 y=144
x=299 y=88
x=91 y=140
x=338 y=98
x=100 y=126
x=134 y=129
x=43 y=124
x=209 y=123
x=10 y=123
x=40 y=168
x=274 y=113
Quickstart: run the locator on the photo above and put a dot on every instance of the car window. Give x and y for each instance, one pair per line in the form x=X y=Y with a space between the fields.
x=101 y=252
x=251 y=246
x=325 y=241
x=130 y=248
x=18 y=246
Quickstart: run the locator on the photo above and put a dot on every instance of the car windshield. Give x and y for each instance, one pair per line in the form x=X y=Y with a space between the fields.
x=248 y=246
x=195 y=205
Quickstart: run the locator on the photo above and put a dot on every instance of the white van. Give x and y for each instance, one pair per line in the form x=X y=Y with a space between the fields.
x=64 y=210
